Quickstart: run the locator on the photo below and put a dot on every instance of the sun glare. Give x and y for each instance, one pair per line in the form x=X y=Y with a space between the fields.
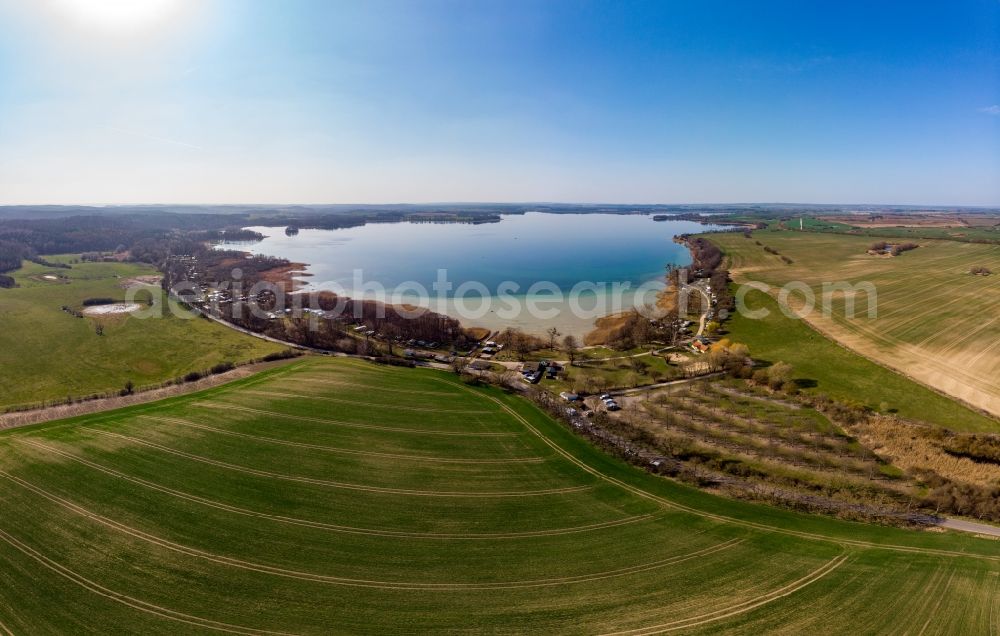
x=118 y=15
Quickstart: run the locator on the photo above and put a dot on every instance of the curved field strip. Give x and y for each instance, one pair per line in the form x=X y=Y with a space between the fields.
x=335 y=484
x=356 y=385
x=379 y=405
x=130 y=601
x=331 y=449
x=375 y=427
x=338 y=580
x=739 y=608
x=741 y=522
x=126 y=502
x=360 y=469
x=832 y=606
x=218 y=505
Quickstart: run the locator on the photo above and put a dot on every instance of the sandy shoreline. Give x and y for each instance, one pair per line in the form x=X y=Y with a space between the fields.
x=584 y=325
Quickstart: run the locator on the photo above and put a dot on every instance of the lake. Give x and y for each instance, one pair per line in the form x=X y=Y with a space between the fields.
x=531 y=271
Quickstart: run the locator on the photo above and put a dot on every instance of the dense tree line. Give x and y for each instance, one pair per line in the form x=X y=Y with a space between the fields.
x=336 y=332
x=157 y=251
x=984 y=449
x=218 y=265
x=149 y=237
x=11 y=255
x=705 y=254
x=894 y=249
x=952 y=497
x=903 y=247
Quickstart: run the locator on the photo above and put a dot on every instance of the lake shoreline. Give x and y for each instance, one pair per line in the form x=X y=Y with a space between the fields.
x=564 y=252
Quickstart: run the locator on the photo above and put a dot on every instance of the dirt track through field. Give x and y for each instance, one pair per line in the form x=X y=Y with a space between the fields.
x=378 y=405
x=332 y=449
x=319 y=420
x=337 y=484
x=356 y=385
x=377 y=584
x=329 y=526
x=129 y=601
x=739 y=608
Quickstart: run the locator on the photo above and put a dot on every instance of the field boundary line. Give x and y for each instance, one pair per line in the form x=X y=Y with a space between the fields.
x=143 y=398
x=373 y=388
x=940 y=599
x=336 y=484
x=367 y=583
x=5 y=631
x=345 y=451
x=723 y=518
x=739 y=608
x=320 y=420
x=923 y=354
x=829 y=335
x=993 y=601
x=376 y=405
x=320 y=525
x=124 y=599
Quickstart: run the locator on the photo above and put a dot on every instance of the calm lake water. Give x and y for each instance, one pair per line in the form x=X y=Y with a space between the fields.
x=490 y=267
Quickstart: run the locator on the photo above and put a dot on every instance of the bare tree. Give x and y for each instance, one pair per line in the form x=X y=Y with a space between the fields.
x=553 y=334
x=570 y=346
x=638 y=364
x=511 y=379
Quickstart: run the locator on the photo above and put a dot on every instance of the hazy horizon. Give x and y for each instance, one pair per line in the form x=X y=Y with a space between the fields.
x=931 y=207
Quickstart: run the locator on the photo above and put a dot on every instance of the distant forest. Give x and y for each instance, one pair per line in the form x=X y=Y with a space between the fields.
x=152 y=235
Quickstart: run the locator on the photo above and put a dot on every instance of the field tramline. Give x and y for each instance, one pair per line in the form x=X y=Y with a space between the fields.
x=333 y=495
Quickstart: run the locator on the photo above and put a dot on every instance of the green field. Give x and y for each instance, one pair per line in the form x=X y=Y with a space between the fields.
x=956 y=233
x=47 y=354
x=935 y=322
x=331 y=495
x=822 y=366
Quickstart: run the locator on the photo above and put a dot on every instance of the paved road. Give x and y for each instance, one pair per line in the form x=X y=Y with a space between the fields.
x=660 y=385
x=970 y=526
x=704 y=314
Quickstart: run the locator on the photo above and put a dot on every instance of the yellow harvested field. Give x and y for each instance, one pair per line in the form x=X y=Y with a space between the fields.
x=933 y=321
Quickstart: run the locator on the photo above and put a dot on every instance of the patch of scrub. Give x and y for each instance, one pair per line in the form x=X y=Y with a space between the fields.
x=116 y=308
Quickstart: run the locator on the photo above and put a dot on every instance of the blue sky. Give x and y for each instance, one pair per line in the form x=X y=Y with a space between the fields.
x=316 y=101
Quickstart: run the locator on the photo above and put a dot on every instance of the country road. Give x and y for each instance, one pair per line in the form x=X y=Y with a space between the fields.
x=970 y=526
